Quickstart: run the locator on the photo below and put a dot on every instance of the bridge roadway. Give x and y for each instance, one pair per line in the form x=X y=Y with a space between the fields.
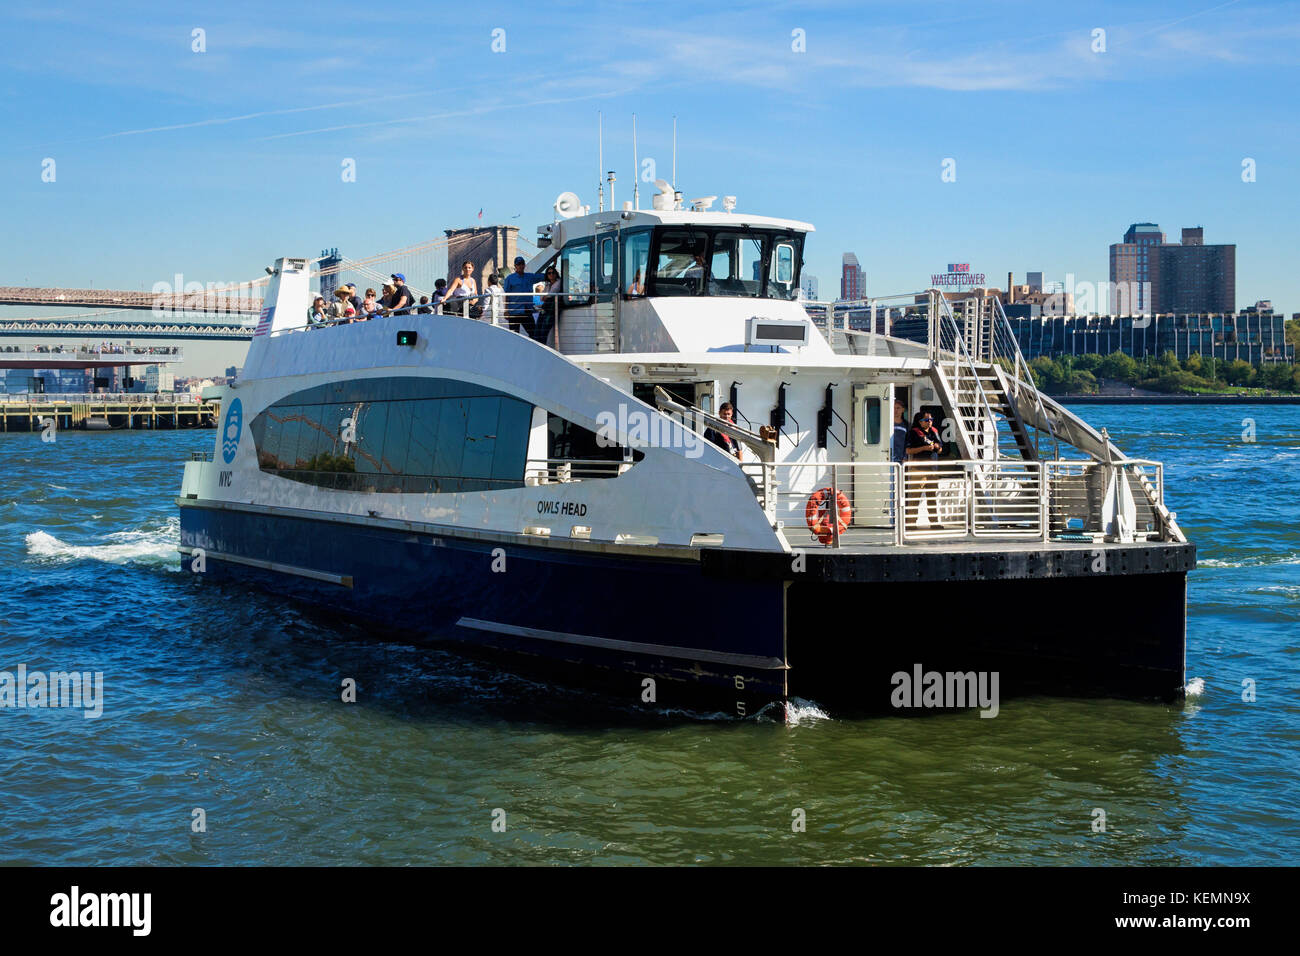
x=210 y=302
x=91 y=329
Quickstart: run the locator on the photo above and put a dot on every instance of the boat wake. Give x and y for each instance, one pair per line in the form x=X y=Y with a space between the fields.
x=1255 y=562
x=150 y=546
x=796 y=711
x=1195 y=687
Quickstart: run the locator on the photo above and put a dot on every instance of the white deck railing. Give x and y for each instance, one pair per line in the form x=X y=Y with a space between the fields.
x=883 y=503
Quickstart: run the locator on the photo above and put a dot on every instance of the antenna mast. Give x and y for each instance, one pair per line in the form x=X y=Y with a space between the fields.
x=600 y=161
x=674 y=151
x=636 y=169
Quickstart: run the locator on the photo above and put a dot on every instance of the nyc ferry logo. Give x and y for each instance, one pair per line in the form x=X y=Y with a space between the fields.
x=230 y=431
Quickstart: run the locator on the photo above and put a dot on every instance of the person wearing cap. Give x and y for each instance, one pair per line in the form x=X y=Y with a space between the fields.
x=357 y=306
x=439 y=293
x=519 y=298
x=402 y=298
x=341 y=307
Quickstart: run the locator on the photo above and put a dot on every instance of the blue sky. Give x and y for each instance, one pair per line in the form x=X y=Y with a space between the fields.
x=213 y=163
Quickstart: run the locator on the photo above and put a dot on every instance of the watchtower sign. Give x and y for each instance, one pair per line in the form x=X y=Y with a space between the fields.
x=957 y=276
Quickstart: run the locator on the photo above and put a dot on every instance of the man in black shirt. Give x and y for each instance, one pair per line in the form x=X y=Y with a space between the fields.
x=724 y=441
x=923 y=446
x=402 y=298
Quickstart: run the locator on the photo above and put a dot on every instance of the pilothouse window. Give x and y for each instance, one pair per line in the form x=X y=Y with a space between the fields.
x=636 y=260
x=680 y=263
x=575 y=268
x=725 y=261
x=736 y=267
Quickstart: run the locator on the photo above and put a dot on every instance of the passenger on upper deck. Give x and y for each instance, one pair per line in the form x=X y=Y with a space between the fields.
x=341 y=308
x=355 y=300
x=402 y=297
x=517 y=287
x=370 y=307
x=462 y=289
x=424 y=308
x=439 y=293
x=550 y=305
x=316 y=314
x=494 y=301
x=637 y=286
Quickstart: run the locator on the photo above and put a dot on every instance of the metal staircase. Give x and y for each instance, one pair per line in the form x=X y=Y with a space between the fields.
x=985 y=377
x=988 y=422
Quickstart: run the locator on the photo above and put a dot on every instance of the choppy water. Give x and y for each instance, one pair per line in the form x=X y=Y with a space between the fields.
x=229 y=701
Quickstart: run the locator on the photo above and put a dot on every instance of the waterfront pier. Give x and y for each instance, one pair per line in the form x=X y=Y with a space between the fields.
x=103 y=412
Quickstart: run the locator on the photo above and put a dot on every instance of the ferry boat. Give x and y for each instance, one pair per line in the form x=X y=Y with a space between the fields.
x=576 y=501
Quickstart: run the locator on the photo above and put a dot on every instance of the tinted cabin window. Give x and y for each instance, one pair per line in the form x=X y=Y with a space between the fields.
x=636 y=260
x=725 y=261
x=736 y=265
x=575 y=270
x=782 y=283
x=606 y=278
x=588 y=454
x=680 y=263
x=871 y=421
x=412 y=435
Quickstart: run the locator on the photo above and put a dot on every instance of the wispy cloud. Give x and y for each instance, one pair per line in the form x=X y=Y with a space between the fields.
x=429 y=117
x=222 y=120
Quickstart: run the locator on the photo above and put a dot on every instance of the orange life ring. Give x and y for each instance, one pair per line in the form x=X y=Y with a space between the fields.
x=817 y=514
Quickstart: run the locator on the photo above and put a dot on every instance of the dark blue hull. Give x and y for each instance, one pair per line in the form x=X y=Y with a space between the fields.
x=617 y=619
x=735 y=630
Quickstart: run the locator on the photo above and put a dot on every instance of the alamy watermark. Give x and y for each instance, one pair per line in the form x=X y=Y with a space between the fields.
x=83 y=690
x=127 y=910
x=952 y=690
x=170 y=298
x=642 y=429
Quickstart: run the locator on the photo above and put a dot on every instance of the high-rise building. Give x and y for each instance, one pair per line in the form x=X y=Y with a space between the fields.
x=808 y=287
x=1191 y=277
x=1130 y=268
x=853 y=283
x=158 y=379
x=1035 y=281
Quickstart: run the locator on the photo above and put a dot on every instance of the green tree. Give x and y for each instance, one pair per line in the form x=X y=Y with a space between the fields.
x=1118 y=366
x=1047 y=374
x=1088 y=363
x=1194 y=364
x=1275 y=375
x=1239 y=372
x=1181 y=382
x=1080 y=382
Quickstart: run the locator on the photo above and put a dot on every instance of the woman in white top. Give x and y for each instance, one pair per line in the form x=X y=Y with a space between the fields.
x=494 y=299
x=462 y=289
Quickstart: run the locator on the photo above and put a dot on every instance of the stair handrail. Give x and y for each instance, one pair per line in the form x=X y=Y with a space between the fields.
x=1000 y=332
x=942 y=319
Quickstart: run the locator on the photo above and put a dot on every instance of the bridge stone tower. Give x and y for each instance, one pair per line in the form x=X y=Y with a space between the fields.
x=490 y=248
x=330 y=258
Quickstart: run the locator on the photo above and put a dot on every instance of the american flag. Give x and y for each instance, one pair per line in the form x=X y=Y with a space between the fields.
x=264 y=321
